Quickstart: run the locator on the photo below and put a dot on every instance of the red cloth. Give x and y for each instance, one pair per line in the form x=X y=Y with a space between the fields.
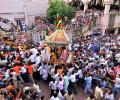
x=17 y=69
x=30 y=69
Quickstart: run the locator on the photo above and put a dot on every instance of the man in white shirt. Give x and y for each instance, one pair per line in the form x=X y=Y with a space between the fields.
x=72 y=78
x=37 y=61
x=80 y=73
x=23 y=70
x=60 y=84
x=36 y=88
x=22 y=53
x=55 y=97
x=80 y=77
x=56 y=76
x=73 y=85
x=24 y=75
x=45 y=55
x=32 y=58
x=34 y=51
x=53 y=86
x=27 y=87
x=52 y=70
x=45 y=74
x=70 y=70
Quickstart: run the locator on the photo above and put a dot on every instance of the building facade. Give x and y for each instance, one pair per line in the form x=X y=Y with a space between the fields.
x=110 y=19
x=22 y=11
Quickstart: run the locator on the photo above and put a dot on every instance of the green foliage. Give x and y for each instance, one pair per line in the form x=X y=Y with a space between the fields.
x=58 y=7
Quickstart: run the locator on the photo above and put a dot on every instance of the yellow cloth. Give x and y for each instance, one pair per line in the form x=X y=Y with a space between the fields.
x=60 y=22
x=48 y=49
x=53 y=58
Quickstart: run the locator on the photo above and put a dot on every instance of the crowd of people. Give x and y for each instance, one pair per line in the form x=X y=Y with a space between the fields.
x=4 y=20
x=82 y=20
x=92 y=62
x=91 y=65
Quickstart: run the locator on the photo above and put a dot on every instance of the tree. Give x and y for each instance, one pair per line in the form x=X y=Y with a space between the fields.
x=59 y=7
